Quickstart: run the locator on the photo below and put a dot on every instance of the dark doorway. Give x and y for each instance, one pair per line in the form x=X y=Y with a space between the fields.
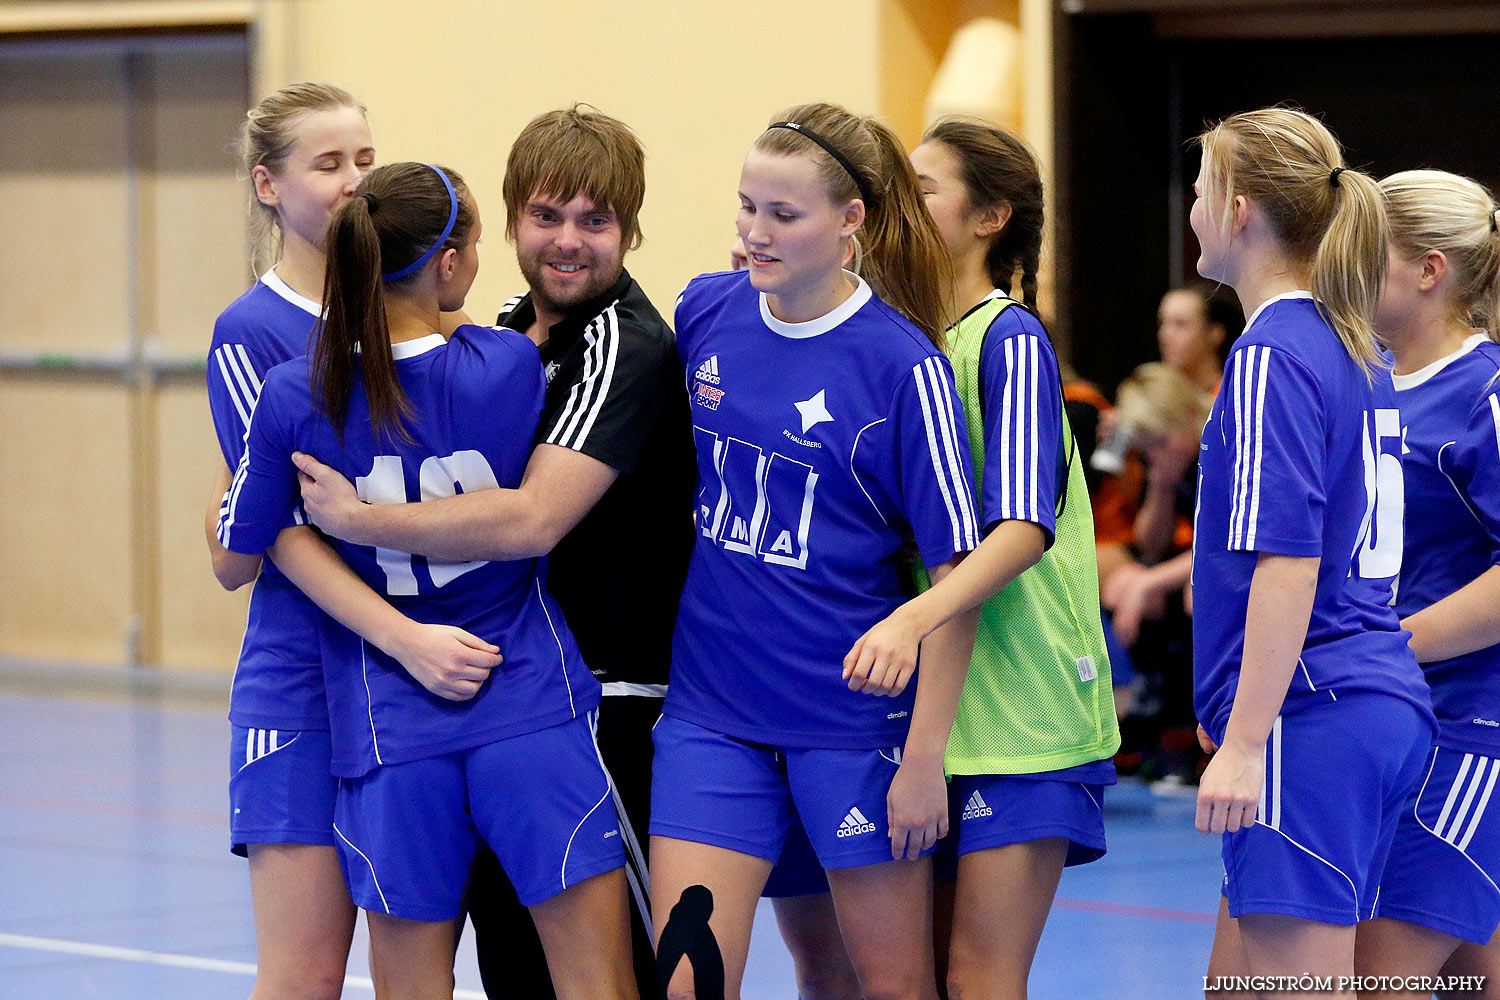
x=1130 y=99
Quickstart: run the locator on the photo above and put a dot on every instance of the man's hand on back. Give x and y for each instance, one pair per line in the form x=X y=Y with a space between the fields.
x=330 y=500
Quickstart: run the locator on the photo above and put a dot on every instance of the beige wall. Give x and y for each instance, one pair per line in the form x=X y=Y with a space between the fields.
x=697 y=81
x=108 y=557
x=106 y=478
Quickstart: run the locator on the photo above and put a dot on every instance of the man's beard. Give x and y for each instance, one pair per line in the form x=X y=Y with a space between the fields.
x=534 y=270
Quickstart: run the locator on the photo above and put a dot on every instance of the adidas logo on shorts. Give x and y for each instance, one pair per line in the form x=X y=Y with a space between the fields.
x=975 y=807
x=855 y=824
x=709 y=371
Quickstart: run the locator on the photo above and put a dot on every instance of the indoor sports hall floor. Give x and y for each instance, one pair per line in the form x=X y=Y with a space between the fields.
x=116 y=881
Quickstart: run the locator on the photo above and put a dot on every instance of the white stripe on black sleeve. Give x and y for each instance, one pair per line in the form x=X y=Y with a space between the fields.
x=589 y=394
x=611 y=324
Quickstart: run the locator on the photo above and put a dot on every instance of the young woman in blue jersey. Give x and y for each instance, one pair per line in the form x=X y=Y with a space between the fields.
x=1438 y=316
x=1302 y=676
x=828 y=436
x=406 y=412
x=305 y=149
x=1024 y=800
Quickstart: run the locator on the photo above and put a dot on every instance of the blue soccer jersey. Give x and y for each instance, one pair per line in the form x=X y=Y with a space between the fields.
x=1450 y=416
x=1301 y=456
x=823 y=449
x=1023 y=413
x=475 y=402
x=278 y=681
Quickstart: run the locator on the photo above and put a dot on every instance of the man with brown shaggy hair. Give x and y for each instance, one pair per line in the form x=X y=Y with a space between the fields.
x=606 y=493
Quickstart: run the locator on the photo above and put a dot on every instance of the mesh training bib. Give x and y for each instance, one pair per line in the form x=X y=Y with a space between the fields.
x=1038 y=694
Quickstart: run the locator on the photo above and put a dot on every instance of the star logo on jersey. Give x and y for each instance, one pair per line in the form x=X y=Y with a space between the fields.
x=814 y=411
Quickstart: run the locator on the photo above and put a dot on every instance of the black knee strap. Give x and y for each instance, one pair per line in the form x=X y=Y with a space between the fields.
x=687 y=934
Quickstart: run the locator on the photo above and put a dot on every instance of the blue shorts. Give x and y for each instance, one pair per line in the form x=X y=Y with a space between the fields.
x=797 y=872
x=995 y=810
x=281 y=790
x=1337 y=773
x=713 y=789
x=541 y=801
x=1445 y=859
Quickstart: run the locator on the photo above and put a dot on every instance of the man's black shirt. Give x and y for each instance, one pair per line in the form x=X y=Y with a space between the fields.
x=615 y=392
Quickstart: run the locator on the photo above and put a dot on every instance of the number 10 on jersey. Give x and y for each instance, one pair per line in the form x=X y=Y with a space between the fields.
x=437 y=478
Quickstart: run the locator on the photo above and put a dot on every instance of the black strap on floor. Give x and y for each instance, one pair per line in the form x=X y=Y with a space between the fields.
x=687 y=934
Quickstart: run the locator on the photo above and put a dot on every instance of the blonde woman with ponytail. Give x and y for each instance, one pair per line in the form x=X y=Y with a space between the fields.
x=830 y=444
x=1438 y=898
x=1302 y=677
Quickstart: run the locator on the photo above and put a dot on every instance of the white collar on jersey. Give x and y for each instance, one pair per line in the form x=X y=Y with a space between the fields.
x=273 y=281
x=412 y=348
x=825 y=322
x=1421 y=375
x=1298 y=294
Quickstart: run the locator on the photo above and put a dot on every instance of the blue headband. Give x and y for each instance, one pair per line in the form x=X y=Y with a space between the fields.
x=417 y=264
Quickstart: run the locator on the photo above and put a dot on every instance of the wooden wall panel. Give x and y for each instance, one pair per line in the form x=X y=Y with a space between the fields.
x=63 y=203
x=201 y=624
x=113 y=146
x=193 y=205
x=65 y=519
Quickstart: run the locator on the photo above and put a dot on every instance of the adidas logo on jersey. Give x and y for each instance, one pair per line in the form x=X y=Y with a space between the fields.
x=709 y=371
x=855 y=824
x=975 y=807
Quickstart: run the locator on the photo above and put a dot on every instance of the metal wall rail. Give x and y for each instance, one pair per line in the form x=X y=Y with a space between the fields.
x=149 y=368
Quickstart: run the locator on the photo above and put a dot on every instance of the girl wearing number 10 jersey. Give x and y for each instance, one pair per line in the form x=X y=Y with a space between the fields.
x=1302 y=675
x=405 y=412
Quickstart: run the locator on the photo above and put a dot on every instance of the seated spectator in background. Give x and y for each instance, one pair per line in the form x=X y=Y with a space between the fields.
x=1152 y=447
x=1114 y=500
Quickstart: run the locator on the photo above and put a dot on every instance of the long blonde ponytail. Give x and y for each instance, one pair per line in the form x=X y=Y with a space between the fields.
x=1330 y=218
x=1435 y=210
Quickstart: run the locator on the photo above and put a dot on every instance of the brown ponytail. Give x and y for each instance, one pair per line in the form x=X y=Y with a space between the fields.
x=904 y=258
x=1331 y=219
x=997 y=169
x=395 y=216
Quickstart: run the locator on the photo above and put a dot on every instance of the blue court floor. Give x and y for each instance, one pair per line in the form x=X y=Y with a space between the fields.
x=116 y=879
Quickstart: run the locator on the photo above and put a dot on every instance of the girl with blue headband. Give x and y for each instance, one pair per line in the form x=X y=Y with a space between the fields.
x=408 y=414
